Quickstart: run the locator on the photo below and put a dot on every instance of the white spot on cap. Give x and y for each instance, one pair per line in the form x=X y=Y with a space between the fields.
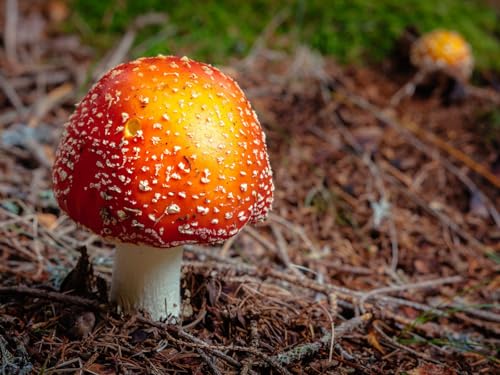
x=202 y=210
x=63 y=175
x=205 y=179
x=173 y=209
x=144 y=185
x=183 y=167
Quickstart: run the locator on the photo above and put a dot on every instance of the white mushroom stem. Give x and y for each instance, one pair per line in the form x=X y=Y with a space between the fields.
x=148 y=279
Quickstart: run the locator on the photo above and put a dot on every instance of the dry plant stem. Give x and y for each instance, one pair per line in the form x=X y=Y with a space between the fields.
x=11 y=94
x=7 y=117
x=280 y=250
x=283 y=250
x=148 y=279
x=227 y=245
x=484 y=94
x=398 y=288
x=380 y=331
x=50 y=101
x=231 y=361
x=260 y=239
x=254 y=343
x=408 y=89
x=118 y=54
x=52 y=296
x=297 y=230
x=349 y=295
x=260 y=43
x=210 y=364
x=306 y=350
x=485 y=315
x=10 y=30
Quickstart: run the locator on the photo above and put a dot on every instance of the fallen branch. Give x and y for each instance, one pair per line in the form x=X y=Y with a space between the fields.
x=52 y=296
x=210 y=363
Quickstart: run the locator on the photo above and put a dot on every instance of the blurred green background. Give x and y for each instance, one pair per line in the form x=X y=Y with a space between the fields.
x=354 y=31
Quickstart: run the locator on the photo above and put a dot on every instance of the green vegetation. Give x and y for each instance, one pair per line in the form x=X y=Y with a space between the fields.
x=352 y=30
x=489 y=123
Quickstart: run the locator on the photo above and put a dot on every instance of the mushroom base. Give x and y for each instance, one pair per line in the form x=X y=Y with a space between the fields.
x=148 y=279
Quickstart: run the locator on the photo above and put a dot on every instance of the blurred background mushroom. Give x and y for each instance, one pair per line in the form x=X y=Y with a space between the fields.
x=443 y=51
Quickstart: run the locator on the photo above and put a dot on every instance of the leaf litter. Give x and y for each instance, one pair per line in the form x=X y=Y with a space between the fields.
x=381 y=255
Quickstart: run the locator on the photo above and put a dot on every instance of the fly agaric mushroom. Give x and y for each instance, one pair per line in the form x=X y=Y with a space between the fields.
x=162 y=152
x=439 y=50
x=443 y=50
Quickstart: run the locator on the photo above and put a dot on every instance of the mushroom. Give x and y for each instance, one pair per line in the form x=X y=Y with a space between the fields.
x=163 y=151
x=443 y=50
x=439 y=50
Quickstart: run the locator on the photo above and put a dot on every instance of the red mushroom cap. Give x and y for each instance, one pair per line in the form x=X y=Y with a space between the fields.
x=164 y=151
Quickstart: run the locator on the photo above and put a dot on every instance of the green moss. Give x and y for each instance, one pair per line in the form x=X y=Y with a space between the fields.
x=352 y=30
x=489 y=125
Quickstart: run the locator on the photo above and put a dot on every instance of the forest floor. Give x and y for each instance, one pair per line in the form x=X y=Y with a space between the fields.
x=381 y=254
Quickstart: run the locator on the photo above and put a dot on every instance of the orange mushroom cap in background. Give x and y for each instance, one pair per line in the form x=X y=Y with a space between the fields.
x=443 y=50
x=164 y=151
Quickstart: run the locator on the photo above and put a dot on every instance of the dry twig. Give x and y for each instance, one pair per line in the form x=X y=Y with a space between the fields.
x=306 y=350
x=398 y=288
x=118 y=54
x=12 y=95
x=52 y=296
x=10 y=31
